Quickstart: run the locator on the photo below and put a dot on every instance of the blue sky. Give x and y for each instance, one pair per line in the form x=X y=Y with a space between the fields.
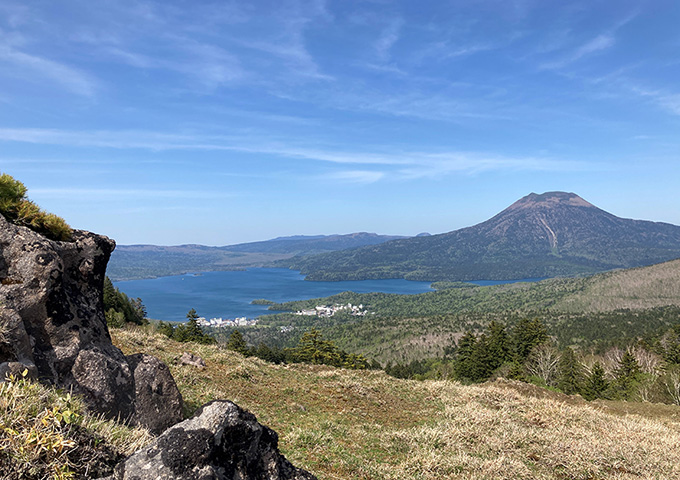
x=223 y=122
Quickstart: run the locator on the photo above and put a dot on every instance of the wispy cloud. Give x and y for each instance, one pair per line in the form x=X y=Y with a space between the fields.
x=40 y=68
x=597 y=44
x=440 y=165
x=670 y=103
x=665 y=100
x=398 y=164
x=362 y=177
x=388 y=37
x=116 y=193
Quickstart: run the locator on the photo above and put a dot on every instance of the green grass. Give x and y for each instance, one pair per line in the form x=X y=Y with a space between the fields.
x=18 y=209
x=46 y=434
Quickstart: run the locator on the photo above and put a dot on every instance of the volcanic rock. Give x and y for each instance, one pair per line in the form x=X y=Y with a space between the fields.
x=221 y=442
x=52 y=324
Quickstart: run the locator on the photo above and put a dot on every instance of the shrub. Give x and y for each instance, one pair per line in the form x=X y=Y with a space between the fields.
x=20 y=210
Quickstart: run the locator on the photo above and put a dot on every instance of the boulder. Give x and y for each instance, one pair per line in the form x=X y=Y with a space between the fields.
x=191 y=359
x=221 y=442
x=52 y=322
x=157 y=399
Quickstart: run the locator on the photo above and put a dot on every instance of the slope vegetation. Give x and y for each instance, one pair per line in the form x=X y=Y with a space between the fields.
x=342 y=424
x=605 y=307
x=548 y=235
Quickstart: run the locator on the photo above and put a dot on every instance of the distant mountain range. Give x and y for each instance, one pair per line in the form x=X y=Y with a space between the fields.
x=148 y=261
x=547 y=235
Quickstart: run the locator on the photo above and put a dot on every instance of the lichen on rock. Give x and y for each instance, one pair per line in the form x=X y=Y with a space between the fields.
x=51 y=311
x=221 y=442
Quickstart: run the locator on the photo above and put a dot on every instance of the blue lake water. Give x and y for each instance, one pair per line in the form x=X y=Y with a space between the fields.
x=228 y=294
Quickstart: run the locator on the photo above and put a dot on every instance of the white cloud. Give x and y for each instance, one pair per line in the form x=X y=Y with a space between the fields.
x=388 y=38
x=670 y=103
x=597 y=44
x=67 y=77
x=363 y=177
x=397 y=164
x=115 y=193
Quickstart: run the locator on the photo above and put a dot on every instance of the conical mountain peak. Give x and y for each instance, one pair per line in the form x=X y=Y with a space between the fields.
x=540 y=235
x=550 y=199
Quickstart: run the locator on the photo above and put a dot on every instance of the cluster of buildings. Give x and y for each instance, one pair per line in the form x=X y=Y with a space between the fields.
x=226 y=322
x=329 y=311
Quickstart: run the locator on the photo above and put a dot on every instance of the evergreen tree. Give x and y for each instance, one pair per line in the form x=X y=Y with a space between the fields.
x=238 y=344
x=596 y=384
x=312 y=348
x=570 y=376
x=110 y=296
x=480 y=361
x=180 y=333
x=269 y=354
x=498 y=345
x=462 y=367
x=527 y=334
x=114 y=319
x=165 y=329
x=516 y=371
x=193 y=329
x=133 y=311
x=627 y=376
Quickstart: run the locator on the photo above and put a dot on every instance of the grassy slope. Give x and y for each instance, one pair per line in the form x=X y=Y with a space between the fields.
x=343 y=424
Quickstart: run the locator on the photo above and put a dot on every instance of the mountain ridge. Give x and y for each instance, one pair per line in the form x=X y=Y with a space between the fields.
x=148 y=261
x=539 y=235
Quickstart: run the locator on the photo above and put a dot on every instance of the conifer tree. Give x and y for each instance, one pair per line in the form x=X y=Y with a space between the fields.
x=480 y=361
x=570 y=376
x=462 y=363
x=193 y=329
x=498 y=345
x=165 y=329
x=627 y=376
x=671 y=344
x=239 y=345
x=527 y=334
x=596 y=384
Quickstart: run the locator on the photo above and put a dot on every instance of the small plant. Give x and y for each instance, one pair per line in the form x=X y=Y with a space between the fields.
x=18 y=209
x=45 y=433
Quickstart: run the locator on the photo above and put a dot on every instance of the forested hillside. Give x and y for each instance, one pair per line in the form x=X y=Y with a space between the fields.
x=148 y=261
x=602 y=309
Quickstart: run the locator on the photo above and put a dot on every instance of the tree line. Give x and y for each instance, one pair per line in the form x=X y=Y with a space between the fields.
x=644 y=371
x=312 y=348
x=120 y=309
x=190 y=331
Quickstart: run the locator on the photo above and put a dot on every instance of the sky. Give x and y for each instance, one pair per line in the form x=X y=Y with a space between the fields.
x=222 y=122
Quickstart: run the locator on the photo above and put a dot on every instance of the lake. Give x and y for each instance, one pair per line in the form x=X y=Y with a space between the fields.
x=228 y=294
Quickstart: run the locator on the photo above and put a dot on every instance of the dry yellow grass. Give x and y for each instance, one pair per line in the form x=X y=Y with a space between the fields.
x=342 y=424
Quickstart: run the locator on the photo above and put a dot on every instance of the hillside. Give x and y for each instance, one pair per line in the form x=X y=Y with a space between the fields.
x=147 y=261
x=547 y=235
x=583 y=311
x=342 y=424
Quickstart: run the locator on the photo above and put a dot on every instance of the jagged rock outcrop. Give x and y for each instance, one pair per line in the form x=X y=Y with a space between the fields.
x=52 y=323
x=221 y=442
